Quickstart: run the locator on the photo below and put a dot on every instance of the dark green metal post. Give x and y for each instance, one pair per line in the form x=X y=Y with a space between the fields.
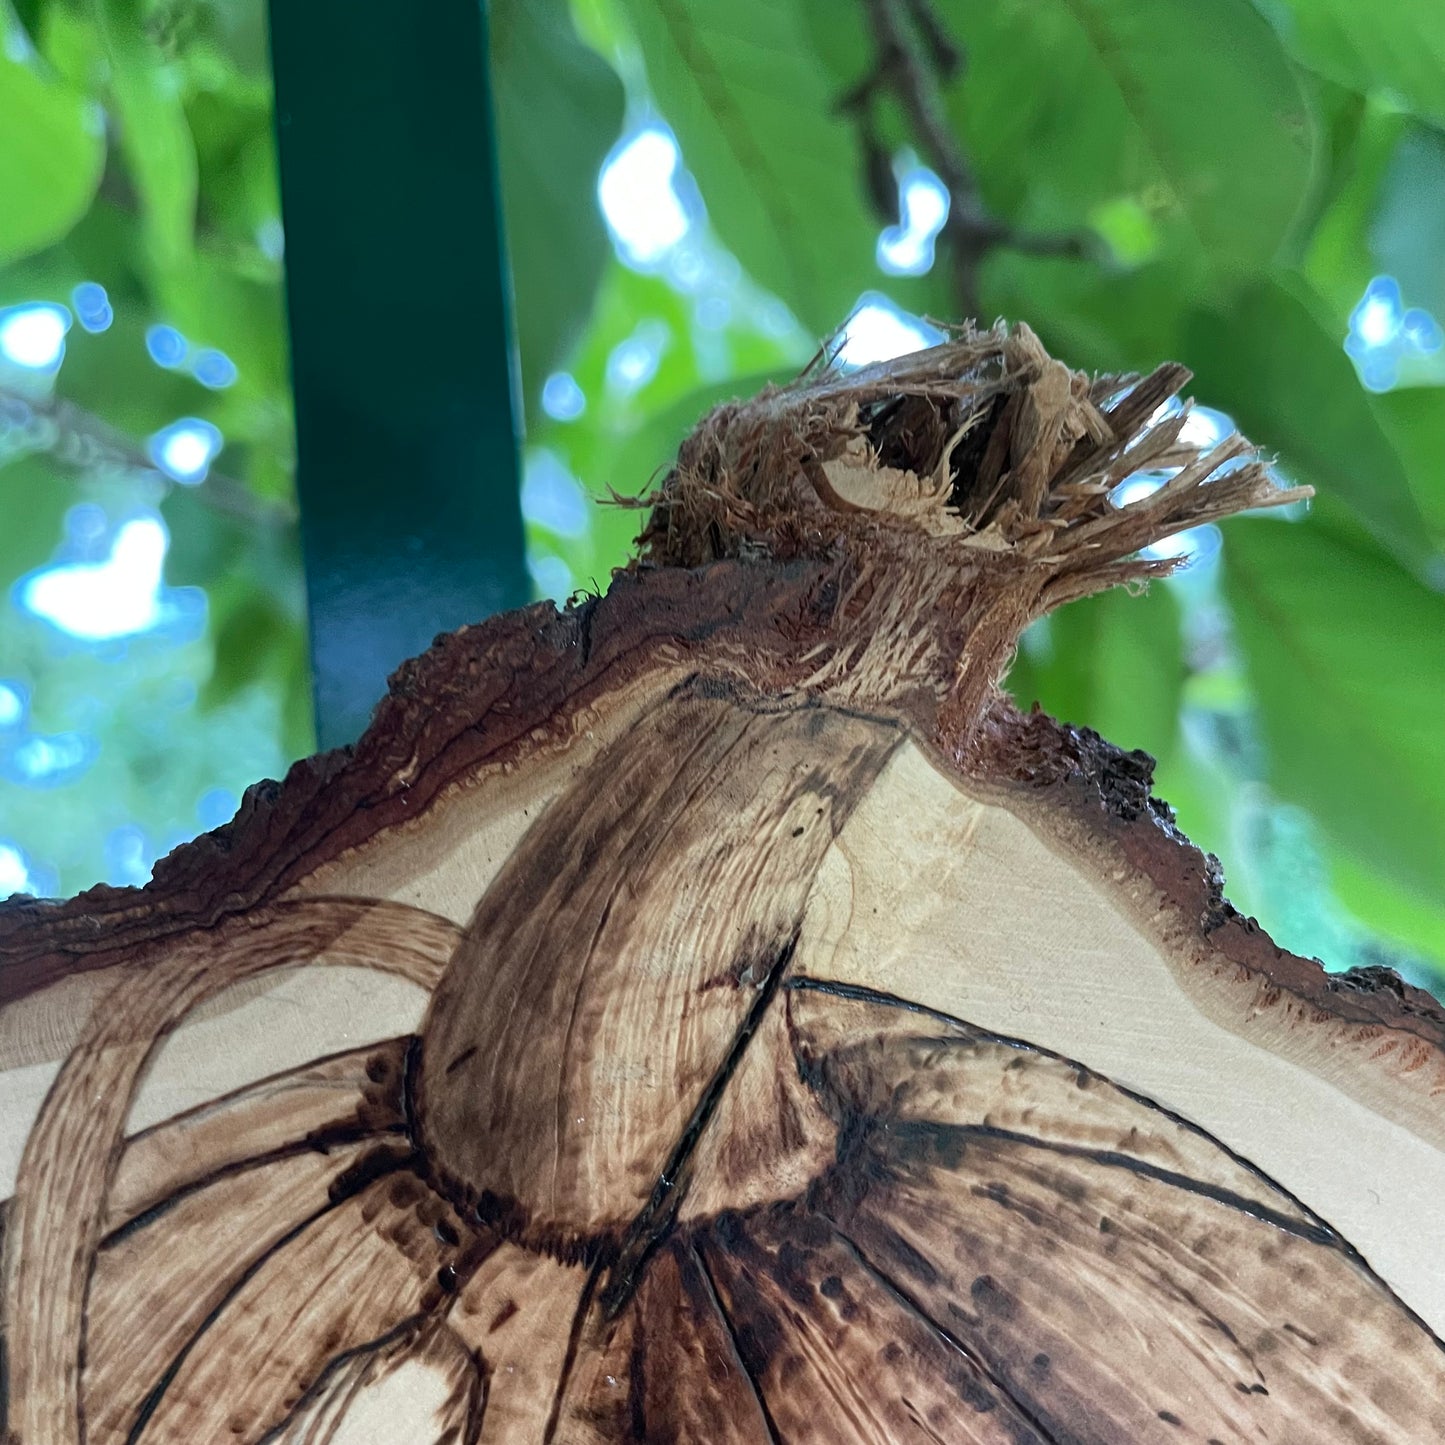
x=400 y=343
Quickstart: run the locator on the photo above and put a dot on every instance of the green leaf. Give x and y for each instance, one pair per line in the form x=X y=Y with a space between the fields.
x=254 y=641
x=1113 y=663
x=559 y=110
x=239 y=191
x=752 y=105
x=1339 y=262
x=149 y=399
x=1407 y=235
x=33 y=499
x=99 y=247
x=155 y=138
x=1414 y=420
x=1110 y=321
x=1189 y=107
x=1276 y=367
x=1344 y=115
x=1408 y=919
x=1397 y=48
x=215 y=303
x=52 y=152
x=1346 y=652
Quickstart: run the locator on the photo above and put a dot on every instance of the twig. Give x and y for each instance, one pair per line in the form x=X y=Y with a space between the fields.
x=913 y=49
x=81 y=439
x=944 y=50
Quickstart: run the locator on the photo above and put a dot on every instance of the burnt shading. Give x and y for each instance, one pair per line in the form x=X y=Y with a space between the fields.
x=577 y=1046
x=991 y=1254
x=637 y=1176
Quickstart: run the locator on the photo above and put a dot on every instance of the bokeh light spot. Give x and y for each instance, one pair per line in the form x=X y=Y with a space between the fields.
x=128 y=859
x=552 y=497
x=633 y=362
x=551 y=576
x=12 y=705
x=214 y=369
x=562 y=398
x=92 y=306
x=14 y=872
x=639 y=197
x=166 y=346
x=217 y=806
x=116 y=597
x=33 y=335
x=1385 y=337
x=185 y=450
x=50 y=762
x=923 y=202
x=879 y=330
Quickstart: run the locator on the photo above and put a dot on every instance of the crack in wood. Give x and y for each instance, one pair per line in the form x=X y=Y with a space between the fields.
x=656 y=1217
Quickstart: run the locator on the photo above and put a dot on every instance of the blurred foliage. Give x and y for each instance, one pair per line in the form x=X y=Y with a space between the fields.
x=1214 y=180
x=559 y=108
x=1236 y=175
x=136 y=155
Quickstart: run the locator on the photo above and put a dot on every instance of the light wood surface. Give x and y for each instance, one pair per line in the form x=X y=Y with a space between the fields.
x=715 y=1014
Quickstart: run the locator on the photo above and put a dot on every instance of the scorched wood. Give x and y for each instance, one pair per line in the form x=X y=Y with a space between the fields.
x=713 y=1013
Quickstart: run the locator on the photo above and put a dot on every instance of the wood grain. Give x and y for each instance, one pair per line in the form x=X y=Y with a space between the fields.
x=850 y=1218
x=605 y=978
x=814 y=1048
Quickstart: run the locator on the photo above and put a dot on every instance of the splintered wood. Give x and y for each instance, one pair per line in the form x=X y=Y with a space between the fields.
x=713 y=1013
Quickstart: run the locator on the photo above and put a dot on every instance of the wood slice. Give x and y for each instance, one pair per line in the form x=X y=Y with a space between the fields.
x=715 y=1013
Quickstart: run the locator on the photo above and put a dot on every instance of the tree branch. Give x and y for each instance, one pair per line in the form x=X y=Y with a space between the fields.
x=913 y=50
x=81 y=439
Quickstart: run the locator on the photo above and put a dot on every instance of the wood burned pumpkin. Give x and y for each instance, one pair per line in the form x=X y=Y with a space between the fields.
x=714 y=1014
